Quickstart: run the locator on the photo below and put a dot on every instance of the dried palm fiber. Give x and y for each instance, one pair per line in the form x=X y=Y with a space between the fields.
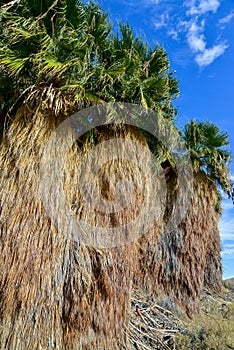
x=56 y=292
x=213 y=266
x=177 y=264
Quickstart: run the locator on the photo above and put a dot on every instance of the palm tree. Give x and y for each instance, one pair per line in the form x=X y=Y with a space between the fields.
x=207 y=146
x=65 y=51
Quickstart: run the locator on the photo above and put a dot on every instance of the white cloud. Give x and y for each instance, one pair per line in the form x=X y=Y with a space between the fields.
x=228 y=246
x=228 y=251
x=227 y=205
x=173 y=33
x=197 y=43
x=226 y=227
x=193 y=26
x=209 y=55
x=226 y=19
x=202 y=7
x=196 y=38
x=161 y=21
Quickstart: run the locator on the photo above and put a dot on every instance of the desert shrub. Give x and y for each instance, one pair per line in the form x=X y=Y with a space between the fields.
x=212 y=329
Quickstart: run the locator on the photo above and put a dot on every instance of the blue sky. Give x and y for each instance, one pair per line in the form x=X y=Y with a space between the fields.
x=198 y=36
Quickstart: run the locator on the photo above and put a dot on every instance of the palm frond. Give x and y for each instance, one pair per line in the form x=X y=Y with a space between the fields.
x=208 y=149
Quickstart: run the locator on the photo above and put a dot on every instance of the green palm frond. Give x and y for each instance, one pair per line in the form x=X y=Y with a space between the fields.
x=67 y=51
x=208 y=150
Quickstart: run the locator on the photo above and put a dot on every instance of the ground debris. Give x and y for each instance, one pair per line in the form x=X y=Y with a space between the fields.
x=158 y=324
x=152 y=326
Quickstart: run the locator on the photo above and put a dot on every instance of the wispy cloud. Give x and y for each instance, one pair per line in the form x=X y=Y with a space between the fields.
x=196 y=28
x=161 y=21
x=228 y=249
x=196 y=38
x=209 y=55
x=226 y=227
x=173 y=33
x=228 y=205
x=229 y=245
x=226 y=19
x=189 y=23
x=201 y=7
x=197 y=43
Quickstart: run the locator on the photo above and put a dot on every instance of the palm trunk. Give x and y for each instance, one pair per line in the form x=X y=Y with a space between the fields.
x=56 y=292
x=175 y=266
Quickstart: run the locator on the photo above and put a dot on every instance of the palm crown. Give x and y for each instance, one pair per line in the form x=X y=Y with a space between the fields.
x=207 y=146
x=64 y=53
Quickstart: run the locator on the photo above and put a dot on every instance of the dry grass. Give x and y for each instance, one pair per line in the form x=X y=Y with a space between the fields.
x=213 y=328
x=229 y=283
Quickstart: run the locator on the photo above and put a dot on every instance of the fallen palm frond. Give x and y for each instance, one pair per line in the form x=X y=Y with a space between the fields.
x=151 y=325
